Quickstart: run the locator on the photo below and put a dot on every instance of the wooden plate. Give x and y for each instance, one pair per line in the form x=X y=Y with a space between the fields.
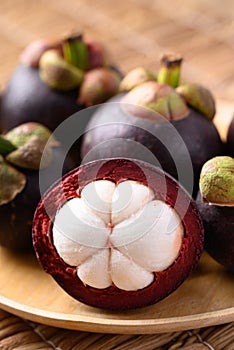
x=206 y=298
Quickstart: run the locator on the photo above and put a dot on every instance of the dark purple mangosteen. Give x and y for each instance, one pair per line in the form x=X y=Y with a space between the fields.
x=26 y=156
x=216 y=205
x=230 y=139
x=173 y=123
x=118 y=234
x=56 y=79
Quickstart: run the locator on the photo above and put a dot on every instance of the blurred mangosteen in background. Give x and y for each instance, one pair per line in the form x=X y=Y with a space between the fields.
x=56 y=79
x=215 y=202
x=157 y=120
x=118 y=234
x=230 y=139
x=30 y=161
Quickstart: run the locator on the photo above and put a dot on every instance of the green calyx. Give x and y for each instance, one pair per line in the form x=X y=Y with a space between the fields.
x=57 y=73
x=29 y=155
x=6 y=146
x=198 y=97
x=12 y=182
x=28 y=146
x=22 y=133
x=156 y=99
x=136 y=77
x=99 y=84
x=30 y=142
x=75 y=51
x=171 y=106
x=217 y=181
x=63 y=69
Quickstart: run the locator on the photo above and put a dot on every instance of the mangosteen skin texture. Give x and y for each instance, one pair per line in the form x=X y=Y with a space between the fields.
x=198 y=134
x=28 y=98
x=230 y=139
x=218 y=224
x=16 y=216
x=116 y=170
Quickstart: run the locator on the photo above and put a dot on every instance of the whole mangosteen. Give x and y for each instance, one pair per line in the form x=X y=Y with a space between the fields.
x=172 y=123
x=216 y=205
x=56 y=79
x=118 y=234
x=27 y=151
x=230 y=139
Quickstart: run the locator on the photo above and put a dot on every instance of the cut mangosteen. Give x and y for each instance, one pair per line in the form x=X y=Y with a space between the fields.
x=118 y=234
x=46 y=85
x=21 y=163
x=215 y=202
x=145 y=113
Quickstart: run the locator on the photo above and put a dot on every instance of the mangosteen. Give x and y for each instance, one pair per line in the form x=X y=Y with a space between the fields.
x=159 y=121
x=118 y=234
x=216 y=205
x=28 y=152
x=230 y=139
x=46 y=85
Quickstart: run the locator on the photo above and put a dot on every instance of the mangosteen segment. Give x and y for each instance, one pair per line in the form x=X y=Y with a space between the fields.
x=138 y=229
x=117 y=234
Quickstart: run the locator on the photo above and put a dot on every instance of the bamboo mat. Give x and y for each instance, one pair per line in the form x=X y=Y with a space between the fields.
x=19 y=334
x=136 y=32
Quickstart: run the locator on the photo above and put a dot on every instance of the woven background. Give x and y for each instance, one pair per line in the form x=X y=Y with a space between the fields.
x=136 y=32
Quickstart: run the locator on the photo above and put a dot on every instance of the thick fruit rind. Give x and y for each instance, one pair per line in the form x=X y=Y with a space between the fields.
x=166 y=189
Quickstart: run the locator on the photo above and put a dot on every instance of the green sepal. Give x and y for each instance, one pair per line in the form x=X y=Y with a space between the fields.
x=12 y=182
x=6 y=146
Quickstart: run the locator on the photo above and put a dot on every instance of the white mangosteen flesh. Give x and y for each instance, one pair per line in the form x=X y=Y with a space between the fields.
x=117 y=234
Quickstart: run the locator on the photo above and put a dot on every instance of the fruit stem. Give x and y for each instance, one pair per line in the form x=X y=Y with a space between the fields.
x=75 y=51
x=6 y=146
x=169 y=72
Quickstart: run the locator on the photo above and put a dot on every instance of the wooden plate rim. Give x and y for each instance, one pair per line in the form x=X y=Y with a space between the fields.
x=102 y=325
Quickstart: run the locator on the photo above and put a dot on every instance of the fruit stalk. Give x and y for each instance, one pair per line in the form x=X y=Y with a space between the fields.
x=75 y=51
x=169 y=72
